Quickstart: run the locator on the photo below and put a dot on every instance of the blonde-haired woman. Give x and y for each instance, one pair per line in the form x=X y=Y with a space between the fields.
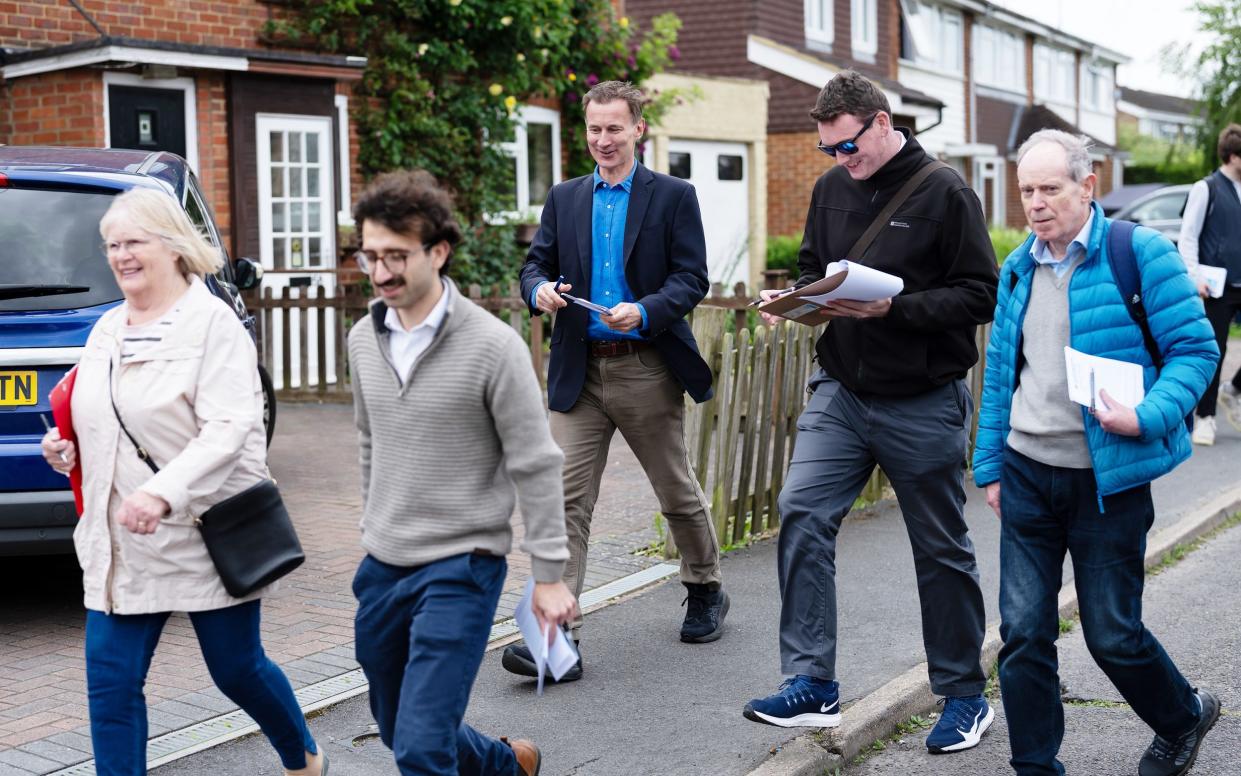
x=177 y=368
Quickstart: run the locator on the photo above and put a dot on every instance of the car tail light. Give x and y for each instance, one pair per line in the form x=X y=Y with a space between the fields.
x=4 y=180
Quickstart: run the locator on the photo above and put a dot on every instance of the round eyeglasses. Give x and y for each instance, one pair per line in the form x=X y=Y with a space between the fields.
x=394 y=260
x=848 y=147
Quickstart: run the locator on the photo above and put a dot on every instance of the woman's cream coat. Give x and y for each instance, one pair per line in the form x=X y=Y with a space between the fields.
x=195 y=403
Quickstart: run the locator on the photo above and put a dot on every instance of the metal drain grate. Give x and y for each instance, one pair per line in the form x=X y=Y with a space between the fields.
x=166 y=748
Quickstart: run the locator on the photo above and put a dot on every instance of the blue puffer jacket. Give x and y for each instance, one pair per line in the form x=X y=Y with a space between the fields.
x=1100 y=325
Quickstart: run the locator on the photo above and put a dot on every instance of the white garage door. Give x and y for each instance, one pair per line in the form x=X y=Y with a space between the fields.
x=718 y=172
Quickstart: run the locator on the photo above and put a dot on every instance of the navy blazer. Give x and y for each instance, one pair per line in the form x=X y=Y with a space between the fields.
x=665 y=256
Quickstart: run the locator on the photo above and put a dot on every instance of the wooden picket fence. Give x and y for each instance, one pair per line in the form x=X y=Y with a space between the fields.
x=740 y=441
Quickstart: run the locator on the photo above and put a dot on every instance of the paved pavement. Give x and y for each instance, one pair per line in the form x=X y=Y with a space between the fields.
x=1193 y=609
x=651 y=705
x=307 y=622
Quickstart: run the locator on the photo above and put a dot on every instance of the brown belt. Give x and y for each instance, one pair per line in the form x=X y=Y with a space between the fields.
x=609 y=348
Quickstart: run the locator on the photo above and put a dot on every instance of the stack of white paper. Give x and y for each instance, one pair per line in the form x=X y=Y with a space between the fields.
x=860 y=284
x=557 y=658
x=1215 y=278
x=1088 y=375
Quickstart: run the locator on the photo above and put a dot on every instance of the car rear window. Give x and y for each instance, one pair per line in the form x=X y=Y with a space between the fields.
x=51 y=237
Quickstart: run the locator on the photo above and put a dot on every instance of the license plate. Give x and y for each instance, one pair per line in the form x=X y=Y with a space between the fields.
x=19 y=388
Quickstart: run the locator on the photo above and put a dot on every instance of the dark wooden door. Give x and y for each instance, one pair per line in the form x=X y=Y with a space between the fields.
x=147 y=119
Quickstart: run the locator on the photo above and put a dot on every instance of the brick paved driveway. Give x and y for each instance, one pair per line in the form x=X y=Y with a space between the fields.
x=307 y=623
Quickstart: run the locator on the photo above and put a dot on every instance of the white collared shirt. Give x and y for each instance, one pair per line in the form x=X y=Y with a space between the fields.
x=406 y=345
x=1042 y=254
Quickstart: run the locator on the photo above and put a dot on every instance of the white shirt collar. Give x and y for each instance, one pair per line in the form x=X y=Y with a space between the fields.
x=433 y=320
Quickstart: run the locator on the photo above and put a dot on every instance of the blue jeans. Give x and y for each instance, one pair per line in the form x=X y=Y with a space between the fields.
x=421 y=632
x=118 y=655
x=1046 y=511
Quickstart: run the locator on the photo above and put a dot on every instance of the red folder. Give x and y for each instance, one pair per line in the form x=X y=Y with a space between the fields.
x=62 y=413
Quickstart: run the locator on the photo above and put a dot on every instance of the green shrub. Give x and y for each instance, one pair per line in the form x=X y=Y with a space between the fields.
x=1005 y=241
x=782 y=252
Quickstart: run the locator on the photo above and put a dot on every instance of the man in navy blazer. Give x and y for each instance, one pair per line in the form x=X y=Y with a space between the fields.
x=629 y=240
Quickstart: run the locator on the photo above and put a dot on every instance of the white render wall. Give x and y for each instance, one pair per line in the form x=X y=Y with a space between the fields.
x=948 y=89
x=1098 y=124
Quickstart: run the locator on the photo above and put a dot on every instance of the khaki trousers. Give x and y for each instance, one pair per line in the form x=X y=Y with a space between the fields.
x=637 y=394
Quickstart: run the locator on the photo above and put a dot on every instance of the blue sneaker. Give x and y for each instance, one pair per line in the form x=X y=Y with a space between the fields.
x=802 y=701
x=961 y=724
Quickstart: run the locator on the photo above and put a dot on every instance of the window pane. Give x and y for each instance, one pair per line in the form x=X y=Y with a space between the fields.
x=314 y=254
x=277 y=146
x=295 y=146
x=312 y=147
x=277 y=181
x=729 y=167
x=296 y=224
x=678 y=164
x=312 y=217
x=297 y=259
x=295 y=181
x=312 y=181
x=539 y=161
x=278 y=223
x=278 y=253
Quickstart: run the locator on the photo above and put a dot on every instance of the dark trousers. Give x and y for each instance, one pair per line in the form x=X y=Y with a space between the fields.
x=118 y=655
x=920 y=442
x=1046 y=511
x=1220 y=313
x=421 y=634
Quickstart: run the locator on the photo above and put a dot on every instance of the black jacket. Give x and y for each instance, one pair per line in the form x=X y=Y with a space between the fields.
x=937 y=242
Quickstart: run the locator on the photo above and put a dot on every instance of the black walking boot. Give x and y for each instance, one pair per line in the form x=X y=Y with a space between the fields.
x=704 y=615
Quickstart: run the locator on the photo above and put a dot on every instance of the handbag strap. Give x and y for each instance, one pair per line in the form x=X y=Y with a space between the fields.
x=142 y=453
x=881 y=220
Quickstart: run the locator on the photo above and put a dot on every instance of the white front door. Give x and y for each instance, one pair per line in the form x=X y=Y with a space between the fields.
x=297 y=233
x=721 y=178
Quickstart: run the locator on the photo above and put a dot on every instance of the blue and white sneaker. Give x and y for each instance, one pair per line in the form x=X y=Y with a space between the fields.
x=961 y=724
x=802 y=701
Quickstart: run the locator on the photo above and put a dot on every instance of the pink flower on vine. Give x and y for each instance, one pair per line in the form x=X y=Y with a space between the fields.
x=592 y=79
x=674 y=53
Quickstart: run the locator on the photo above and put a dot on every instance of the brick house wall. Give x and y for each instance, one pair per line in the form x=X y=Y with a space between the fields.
x=63 y=108
x=230 y=23
x=793 y=165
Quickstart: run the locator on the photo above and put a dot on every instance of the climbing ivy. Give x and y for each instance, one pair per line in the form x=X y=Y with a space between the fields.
x=443 y=81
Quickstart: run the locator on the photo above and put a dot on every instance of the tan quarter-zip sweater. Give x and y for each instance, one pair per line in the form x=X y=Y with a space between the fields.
x=446 y=456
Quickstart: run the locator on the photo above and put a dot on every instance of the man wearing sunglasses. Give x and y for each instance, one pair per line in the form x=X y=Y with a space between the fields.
x=451 y=433
x=889 y=391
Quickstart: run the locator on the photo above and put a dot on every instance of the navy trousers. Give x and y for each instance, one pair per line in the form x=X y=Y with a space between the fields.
x=920 y=442
x=118 y=655
x=1048 y=510
x=420 y=636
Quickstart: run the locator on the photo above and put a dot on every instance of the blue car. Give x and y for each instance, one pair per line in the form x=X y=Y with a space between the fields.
x=54 y=284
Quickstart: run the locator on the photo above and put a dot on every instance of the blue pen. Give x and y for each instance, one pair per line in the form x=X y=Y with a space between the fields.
x=556 y=287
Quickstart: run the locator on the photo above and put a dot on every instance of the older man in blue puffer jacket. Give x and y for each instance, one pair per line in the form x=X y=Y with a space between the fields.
x=1064 y=477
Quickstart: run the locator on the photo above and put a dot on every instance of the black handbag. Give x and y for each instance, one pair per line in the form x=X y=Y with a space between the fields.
x=249 y=536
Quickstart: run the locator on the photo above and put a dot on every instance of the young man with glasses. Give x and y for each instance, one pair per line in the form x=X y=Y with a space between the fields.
x=889 y=391
x=451 y=433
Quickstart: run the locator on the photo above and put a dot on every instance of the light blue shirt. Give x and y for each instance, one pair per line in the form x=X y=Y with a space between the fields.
x=608 y=287
x=1077 y=248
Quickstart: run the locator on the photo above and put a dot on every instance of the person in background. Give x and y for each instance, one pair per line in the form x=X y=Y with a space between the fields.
x=1064 y=477
x=451 y=435
x=1211 y=235
x=631 y=241
x=177 y=366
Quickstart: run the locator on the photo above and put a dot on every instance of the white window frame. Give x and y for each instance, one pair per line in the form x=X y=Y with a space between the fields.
x=263 y=123
x=992 y=168
x=938 y=36
x=344 y=216
x=999 y=58
x=1097 y=87
x=864 y=21
x=820 y=21
x=517 y=150
x=1053 y=74
x=186 y=85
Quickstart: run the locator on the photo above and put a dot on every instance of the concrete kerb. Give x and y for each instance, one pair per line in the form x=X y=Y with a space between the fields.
x=877 y=715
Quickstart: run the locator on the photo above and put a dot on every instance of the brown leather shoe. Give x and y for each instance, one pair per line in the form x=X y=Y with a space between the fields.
x=529 y=759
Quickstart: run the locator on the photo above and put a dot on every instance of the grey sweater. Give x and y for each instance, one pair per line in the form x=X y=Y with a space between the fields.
x=446 y=456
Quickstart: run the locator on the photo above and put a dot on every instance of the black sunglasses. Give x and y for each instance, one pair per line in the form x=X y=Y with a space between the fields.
x=848 y=147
